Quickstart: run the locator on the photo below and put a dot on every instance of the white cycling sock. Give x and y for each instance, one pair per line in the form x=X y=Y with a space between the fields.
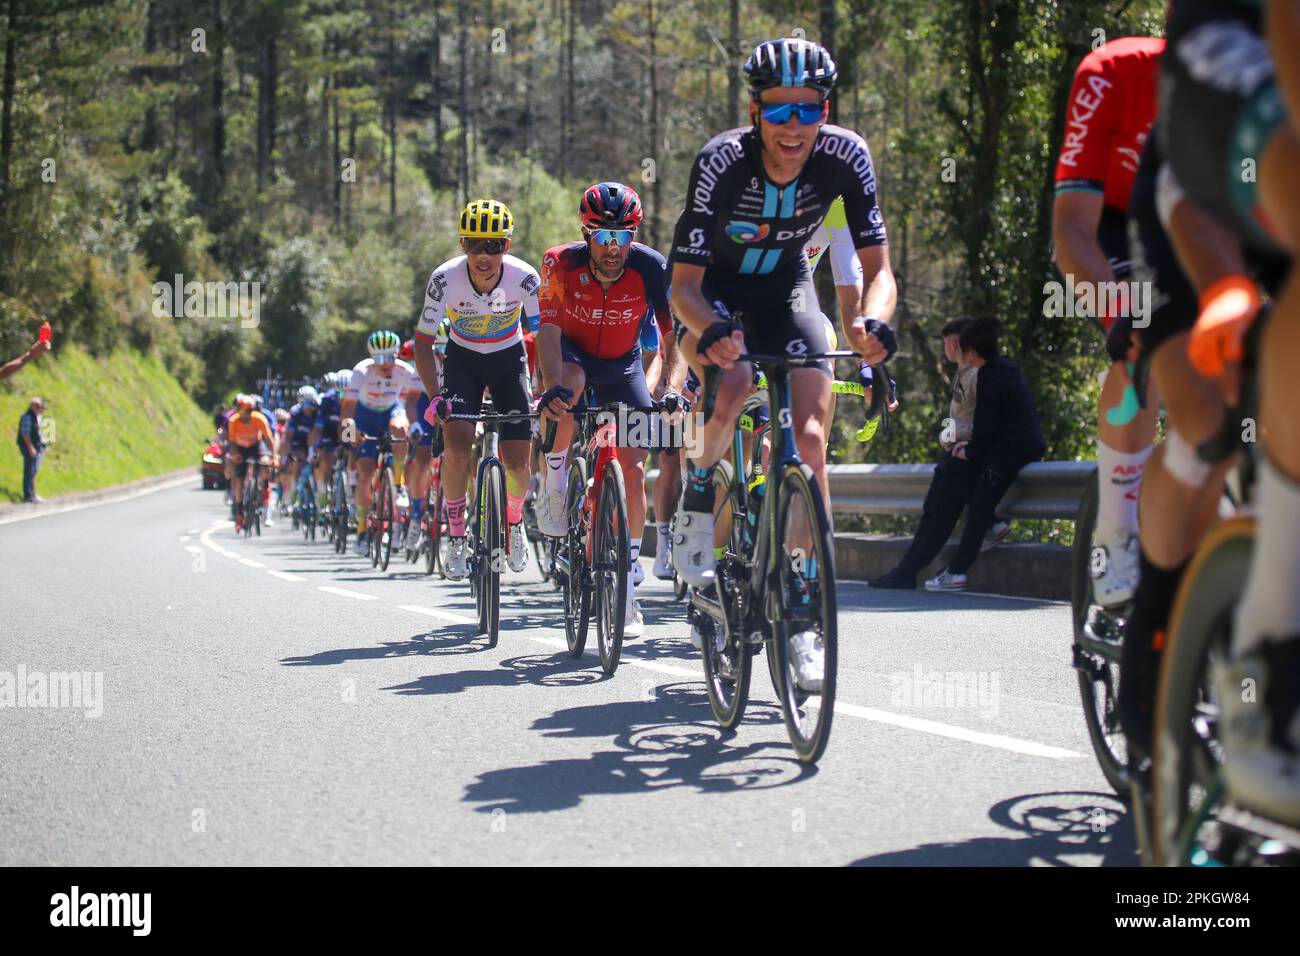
x=1120 y=474
x=557 y=471
x=1270 y=607
x=634 y=548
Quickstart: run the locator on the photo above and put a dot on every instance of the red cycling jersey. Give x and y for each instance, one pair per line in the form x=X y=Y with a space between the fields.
x=603 y=322
x=1112 y=106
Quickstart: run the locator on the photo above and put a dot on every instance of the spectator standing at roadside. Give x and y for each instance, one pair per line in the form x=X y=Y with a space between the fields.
x=1005 y=436
x=32 y=448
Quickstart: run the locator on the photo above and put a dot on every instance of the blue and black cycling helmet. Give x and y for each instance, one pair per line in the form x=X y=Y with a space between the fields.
x=790 y=61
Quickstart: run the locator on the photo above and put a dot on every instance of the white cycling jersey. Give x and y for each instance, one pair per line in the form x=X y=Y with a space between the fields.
x=481 y=321
x=833 y=236
x=378 y=392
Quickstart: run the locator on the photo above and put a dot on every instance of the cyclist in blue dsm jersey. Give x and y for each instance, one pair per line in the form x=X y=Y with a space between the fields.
x=741 y=281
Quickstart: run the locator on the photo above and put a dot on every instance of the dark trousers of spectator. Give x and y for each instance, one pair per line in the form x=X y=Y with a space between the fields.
x=956 y=486
x=31 y=465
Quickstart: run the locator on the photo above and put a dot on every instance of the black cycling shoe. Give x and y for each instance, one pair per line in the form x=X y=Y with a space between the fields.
x=894 y=581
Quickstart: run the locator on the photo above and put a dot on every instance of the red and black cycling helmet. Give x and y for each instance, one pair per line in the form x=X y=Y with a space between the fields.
x=790 y=61
x=610 y=206
x=407 y=352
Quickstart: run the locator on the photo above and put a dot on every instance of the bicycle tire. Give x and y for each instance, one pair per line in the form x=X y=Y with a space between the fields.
x=1098 y=676
x=489 y=549
x=809 y=739
x=384 y=532
x=610 y=560
x=727 y=672
x=1199 y=623
x=577 y=594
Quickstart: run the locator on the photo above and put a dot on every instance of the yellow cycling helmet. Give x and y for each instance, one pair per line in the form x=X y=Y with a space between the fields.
x=486 y=219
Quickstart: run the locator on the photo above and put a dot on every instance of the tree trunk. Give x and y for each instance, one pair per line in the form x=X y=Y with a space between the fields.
x=652 y=26
x=462 y=9
x=338 y=164
x=826 y=14
x=352 y=154
x=149 y=139
x=218 y=50
x=570 y=83
x=392 y=119
x=733 y=66
x=7 y=129
x=437 y=93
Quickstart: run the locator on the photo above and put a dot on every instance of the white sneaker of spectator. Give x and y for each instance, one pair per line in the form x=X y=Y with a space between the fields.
x=945 y=580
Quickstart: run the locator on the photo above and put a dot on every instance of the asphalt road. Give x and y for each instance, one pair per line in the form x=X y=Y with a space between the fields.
x=265 y=701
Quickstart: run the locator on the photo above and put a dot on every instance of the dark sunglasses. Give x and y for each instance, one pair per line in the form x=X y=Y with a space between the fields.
x=780 y=113
x=478 y=247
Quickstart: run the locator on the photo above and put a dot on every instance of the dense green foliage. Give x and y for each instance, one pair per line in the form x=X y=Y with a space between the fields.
x=322 y=148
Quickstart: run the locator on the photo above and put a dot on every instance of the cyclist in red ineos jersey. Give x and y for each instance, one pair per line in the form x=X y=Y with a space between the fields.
x=596 y=297
x=1112 y=106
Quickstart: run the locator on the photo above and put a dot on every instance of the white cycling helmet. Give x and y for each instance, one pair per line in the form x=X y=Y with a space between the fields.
x=345 y=377
x=331 y=379
x=307 y=396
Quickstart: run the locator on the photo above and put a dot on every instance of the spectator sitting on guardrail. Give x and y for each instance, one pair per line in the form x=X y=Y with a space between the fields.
x=1005 y=436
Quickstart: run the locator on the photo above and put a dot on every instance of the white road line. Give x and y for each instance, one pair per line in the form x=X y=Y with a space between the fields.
x=998 y=741
x=206 y=538
x=286 y=576
x=193 y=550
x=251 y=563
x=184 y=538
x=64 y=509
x=343 y=592
x=934 y=727
x=431 y=612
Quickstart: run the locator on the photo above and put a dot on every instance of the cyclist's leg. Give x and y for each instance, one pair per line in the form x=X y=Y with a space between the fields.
x=512 y=393
x=573 y=376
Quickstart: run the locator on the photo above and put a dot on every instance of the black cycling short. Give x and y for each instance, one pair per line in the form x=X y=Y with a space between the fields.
x=504 y=373
x=1219 y=108
x=779 y=313
x=242 y=453
x=1112 y=237
x=620 y=379
x=1172 y=300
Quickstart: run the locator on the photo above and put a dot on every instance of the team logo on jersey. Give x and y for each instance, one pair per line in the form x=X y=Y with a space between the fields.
x=583 y=278
x=740 y=231
x=814 y=251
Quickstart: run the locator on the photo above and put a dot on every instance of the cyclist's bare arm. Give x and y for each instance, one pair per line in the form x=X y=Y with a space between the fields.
x=1075 y=217
x=694 y=311
x=550 y=359
x=426 y=365
x=674 y=366
x=879 y=299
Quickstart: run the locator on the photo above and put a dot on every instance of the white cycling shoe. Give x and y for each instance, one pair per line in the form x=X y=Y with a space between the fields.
x=1115 y=569
x=1261 y=766
x=638 y=572
x=693 y=547
x=551 y=519
x=517 y=554
x=663 y=568
x=633 y=621
x=457 y=559
x=809 y=661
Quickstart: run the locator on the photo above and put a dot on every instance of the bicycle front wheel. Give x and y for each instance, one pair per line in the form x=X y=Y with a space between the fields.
x=1187 y=758
x=728 y=656
x=610 y=566
x=804 y=623
x=490 y=550
x=433 y=518
x=577 y=593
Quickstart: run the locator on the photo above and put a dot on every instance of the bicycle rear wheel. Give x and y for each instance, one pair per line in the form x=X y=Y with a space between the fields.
x=1187 y=758
x=610 y=566
x=489 y=549
x=340 y=509
x=805 y=612
x=727 y=668
x=577 y=592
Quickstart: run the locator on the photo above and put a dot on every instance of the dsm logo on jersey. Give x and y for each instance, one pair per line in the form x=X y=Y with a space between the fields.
x=740 y=231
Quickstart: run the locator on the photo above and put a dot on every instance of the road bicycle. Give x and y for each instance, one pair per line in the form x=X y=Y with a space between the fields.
x=775 y=580
x=592 y=560
x=486 y=530
x=383 y=503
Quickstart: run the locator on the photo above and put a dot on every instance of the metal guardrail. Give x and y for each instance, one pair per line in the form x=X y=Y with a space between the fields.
x=1045 y=489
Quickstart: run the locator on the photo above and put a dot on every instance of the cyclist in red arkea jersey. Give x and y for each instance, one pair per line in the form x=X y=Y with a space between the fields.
x=1111 y=108
x=596 y=297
